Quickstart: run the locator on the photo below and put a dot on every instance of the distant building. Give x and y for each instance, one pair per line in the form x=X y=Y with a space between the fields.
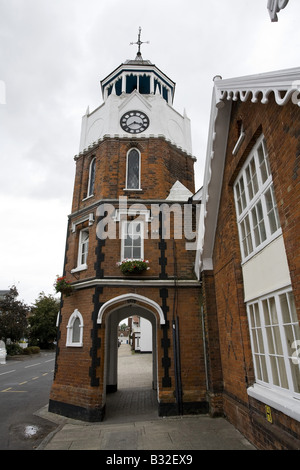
x=124 y=336
x=141 y=335
x=3 y=293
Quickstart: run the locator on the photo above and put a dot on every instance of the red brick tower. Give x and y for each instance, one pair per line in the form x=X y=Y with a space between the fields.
x=132 y=200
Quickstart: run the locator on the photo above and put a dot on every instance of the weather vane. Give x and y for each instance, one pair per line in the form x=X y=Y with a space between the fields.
x=139 y=43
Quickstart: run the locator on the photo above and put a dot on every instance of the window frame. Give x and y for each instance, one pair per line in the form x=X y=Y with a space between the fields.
x=124 y=233
x=127 y=170
x=91 y=180
x=250 y=189
x=270 y=342
x=81 y=244
x=70 y=339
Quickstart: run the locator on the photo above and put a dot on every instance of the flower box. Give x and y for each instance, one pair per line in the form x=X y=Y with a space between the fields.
x=133 y=266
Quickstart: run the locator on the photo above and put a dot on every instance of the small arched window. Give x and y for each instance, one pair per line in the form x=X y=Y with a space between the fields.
x=133 y=170
x=75 y=329
x=91 y=185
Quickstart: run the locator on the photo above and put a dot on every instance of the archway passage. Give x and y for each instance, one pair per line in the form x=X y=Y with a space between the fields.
x=130 y=377
x=135 y=399
x=135 y=370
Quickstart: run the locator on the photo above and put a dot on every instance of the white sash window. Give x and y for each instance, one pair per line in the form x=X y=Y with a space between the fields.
x=256 y=207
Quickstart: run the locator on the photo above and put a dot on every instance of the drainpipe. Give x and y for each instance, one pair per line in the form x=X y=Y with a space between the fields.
x=177 y=366
x=176 y=341
x=204 y=348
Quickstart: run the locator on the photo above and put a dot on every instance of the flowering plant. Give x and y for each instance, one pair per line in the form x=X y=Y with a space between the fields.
x=132 y=266
x=63 y=286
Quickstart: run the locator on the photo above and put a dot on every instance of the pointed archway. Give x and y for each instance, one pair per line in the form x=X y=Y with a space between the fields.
x=131 y=299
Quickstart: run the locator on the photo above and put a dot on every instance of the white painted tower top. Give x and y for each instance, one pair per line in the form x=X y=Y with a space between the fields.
x=139 y=87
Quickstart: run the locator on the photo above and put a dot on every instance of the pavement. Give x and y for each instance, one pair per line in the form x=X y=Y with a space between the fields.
x=132 y=423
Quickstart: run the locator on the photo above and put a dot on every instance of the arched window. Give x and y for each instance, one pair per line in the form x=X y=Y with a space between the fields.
x=133 y=169
x=75 y=329
x=91 y=185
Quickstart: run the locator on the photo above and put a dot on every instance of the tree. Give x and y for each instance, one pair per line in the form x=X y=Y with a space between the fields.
x=13 y=316
x=42 y=330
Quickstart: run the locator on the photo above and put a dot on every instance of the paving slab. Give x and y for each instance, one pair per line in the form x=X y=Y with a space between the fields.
x=173 y=433
x=132 y=422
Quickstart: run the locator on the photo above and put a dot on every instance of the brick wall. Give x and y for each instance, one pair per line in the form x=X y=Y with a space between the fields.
x=212 y=345
x=281 y=128
x=162 y=164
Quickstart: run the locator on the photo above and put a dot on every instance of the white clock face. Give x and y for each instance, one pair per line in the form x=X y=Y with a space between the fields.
x=134 y=122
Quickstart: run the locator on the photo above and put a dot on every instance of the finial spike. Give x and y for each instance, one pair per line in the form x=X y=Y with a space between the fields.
x=139 y=43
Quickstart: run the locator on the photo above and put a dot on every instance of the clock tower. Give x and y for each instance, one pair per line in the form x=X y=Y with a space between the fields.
x=129 y=248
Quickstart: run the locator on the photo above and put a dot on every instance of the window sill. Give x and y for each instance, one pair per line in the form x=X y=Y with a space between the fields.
x=88 y=197
x=74 y=345
x=79 y=268
x=279 y=400
x=132 y=190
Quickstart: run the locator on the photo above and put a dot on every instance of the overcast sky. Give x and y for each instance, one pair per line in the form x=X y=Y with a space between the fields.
x=53 y=55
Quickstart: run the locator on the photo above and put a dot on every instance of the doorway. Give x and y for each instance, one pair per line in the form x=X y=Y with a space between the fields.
x=134 y=399
x=131 y=385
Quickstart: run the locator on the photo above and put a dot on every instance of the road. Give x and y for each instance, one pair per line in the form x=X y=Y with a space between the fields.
x=24 y=389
